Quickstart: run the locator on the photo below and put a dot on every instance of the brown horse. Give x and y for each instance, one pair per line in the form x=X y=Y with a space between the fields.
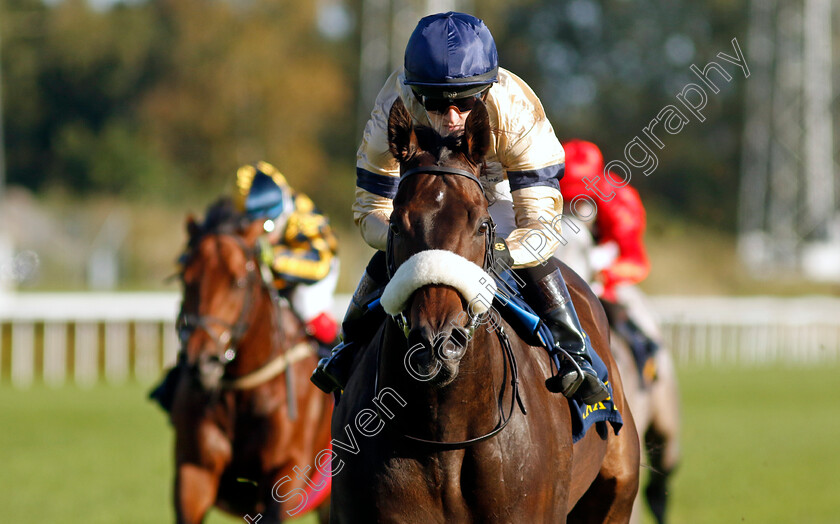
x=428 y=428
x=245 y=413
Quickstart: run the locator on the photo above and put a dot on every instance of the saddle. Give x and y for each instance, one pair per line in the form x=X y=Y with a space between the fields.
x=511 y=305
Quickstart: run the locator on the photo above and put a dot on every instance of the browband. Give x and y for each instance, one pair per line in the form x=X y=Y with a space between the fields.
x=444 y=171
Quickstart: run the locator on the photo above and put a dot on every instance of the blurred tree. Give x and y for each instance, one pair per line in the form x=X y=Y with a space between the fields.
x=166 y=97
x=72 y=89
x=245 y=82
x=604 y=69
x=21 y=30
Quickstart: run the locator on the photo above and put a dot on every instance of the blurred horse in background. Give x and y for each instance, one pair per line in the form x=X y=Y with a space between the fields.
x=244 y=412
x=652 y=392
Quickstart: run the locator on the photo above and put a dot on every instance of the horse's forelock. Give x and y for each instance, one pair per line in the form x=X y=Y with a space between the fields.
x=221 y=217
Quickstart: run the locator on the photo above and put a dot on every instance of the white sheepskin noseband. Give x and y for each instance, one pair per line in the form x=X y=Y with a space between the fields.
x=437 y=266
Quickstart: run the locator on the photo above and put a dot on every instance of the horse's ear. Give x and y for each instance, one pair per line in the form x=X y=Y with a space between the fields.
x=192 y=226
x=401 y=137
x=477 y=132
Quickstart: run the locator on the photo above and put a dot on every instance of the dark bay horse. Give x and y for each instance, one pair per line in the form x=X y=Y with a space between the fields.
x=245 y=413
x=430 y=427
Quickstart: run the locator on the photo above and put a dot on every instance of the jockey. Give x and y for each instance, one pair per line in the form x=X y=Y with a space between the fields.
x=620 y=221
x=450 y=62
x=620 y=218
x=302 y=254
x=299 y=248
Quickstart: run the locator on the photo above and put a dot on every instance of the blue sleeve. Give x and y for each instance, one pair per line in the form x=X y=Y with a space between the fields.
x=547 y=176
x=382 y=185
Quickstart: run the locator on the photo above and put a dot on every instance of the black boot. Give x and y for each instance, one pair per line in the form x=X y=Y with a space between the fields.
x=576 y=377
x=642 y=346
x=164 y=393
x=333 y=372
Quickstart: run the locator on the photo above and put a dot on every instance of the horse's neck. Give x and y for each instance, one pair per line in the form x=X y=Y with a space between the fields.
x=263 y=338
x=461 y=410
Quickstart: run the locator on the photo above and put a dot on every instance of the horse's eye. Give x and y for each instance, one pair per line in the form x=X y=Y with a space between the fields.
x=394 y=229
x=483 y=227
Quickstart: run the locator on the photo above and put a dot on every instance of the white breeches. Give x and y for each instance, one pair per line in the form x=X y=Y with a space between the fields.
x=311 y=300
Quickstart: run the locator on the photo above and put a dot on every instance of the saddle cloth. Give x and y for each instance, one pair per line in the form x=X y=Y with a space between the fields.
x=512 y=307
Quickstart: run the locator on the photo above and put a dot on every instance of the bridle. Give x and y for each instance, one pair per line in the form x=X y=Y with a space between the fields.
x=490 y=234
x=508 y=357
x=257 y=279
x=489 y=237
x=507 y=351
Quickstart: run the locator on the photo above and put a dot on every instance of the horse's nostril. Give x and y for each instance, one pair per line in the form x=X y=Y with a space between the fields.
x=420 y=336
x=453 y=346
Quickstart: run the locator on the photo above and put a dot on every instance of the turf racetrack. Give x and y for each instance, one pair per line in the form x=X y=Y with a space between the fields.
x=760 y=446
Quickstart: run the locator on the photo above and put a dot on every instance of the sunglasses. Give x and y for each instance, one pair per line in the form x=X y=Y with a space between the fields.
x=442 y=105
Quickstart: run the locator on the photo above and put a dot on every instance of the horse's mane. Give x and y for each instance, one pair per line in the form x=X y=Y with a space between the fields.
x=442 y=146
x=431 y=141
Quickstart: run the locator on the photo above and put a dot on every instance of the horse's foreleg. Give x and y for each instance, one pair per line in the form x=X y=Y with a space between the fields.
x=610 y=497
x=202 y=452
x=662 y=438
x=195 y=492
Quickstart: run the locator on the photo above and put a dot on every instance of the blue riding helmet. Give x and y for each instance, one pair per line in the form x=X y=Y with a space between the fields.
x=450 y=55
x=266 y=199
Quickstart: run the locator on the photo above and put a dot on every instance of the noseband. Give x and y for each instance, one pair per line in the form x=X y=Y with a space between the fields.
x=231 y=334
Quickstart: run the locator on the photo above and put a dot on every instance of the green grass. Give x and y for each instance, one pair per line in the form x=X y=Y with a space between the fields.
x=759 y=446
x=102 y=455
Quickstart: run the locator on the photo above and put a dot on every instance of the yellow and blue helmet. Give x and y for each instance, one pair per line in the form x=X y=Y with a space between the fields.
x=263 y=191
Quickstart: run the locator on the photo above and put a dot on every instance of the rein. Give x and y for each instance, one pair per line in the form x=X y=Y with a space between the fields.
x=515 y=398
x=274 y=367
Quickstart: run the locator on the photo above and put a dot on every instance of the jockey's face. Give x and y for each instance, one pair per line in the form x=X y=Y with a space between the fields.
x=447 y=116
x=449 y=122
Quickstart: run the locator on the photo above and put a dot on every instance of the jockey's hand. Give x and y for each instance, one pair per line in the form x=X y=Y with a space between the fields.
x=501 y=254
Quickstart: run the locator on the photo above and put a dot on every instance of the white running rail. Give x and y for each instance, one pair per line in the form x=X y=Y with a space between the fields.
x=82 y=338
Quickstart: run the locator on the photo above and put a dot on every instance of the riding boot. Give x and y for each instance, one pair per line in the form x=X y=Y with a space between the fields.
x=164 y=393
x=576 y=377
x=641 y=345
x=333 y=371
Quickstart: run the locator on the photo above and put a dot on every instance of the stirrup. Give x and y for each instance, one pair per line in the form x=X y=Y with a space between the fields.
x=566 y=383
x=324 y=380
x=581 y=381
x=331 y=374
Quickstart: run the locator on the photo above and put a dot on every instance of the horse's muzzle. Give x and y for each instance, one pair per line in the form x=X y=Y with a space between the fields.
x=208 y=370
x=435 y=357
